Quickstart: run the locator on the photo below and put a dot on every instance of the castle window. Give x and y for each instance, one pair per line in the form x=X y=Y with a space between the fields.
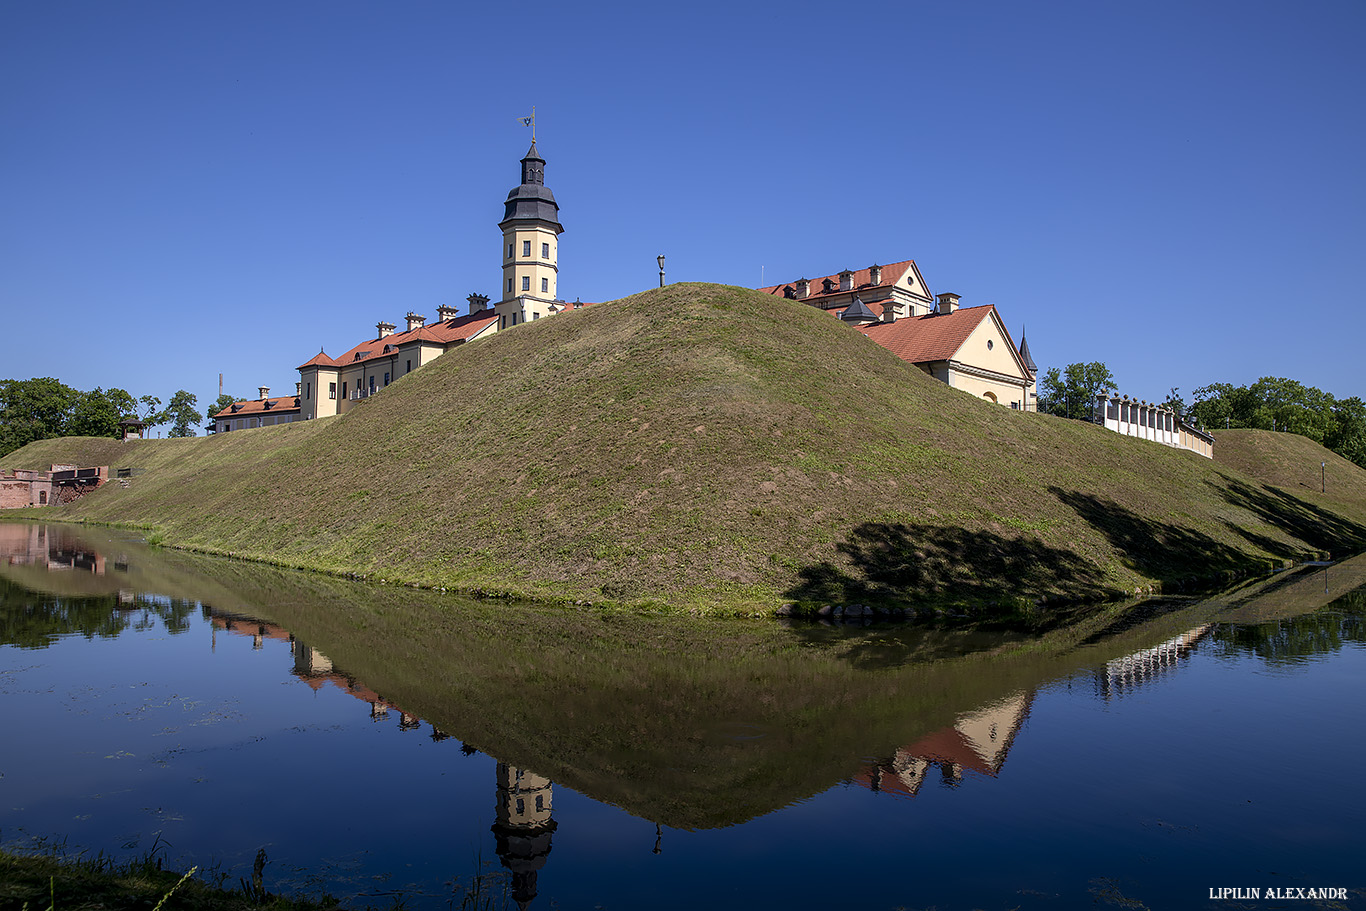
x=526 y=282
x=410 y=367
x=42 y=498
x=386 y=377
x=526 y=248
x=343 y=390
x=545 y=286
x=308 y=390
x=509 y=251
x=545 y=251
x=535 y=315
x=509 y=286
x=331 y=390
x=989 y=344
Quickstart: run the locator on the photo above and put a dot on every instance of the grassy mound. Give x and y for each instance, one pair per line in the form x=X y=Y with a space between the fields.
x=705 y=446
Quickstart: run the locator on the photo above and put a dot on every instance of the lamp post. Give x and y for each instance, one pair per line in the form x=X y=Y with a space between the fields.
x=660 y=259
x=1323 y=477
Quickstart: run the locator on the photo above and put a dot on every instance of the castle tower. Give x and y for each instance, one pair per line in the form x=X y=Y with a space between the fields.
x=531 y=232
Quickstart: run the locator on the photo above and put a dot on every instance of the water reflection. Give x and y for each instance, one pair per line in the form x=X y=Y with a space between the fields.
x=1124 y=674
x=978 y=741
x=660 y=717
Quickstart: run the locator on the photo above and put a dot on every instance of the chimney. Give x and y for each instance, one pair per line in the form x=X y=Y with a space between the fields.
x=415 y=321
x=875 y=274
x=948 y=301
x=265 y=392
x=846 y=280
x=385 y=329
x=444 y=313
x=478 y=302
x=298 y=388
x=803 y=288
x=889 y=310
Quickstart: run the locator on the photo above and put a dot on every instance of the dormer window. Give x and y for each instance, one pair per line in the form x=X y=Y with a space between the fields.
x=827 y=285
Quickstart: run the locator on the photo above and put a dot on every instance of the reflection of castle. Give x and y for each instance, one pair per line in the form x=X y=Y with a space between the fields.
x=22 y=544
x=978 y=741
x=523 y=828
x=1123 y=674
x=524 y=825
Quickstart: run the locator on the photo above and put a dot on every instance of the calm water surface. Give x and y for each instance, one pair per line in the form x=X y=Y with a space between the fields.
x=381 y=743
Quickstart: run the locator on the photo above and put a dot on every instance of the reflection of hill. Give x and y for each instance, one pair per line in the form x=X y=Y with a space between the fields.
x=686 y=722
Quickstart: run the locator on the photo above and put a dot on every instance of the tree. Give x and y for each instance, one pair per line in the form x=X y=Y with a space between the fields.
x=1072 y=391
x=182 y=411
x=223 y=401
x=97 y=413
x=36 y=409
x=1347 y=436
x=1175 y=403
x=149 y=413
x=1294 y=407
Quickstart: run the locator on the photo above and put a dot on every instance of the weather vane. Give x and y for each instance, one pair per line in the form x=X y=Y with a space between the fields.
x=530 y=122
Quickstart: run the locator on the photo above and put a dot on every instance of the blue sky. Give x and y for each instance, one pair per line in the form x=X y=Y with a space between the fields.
x=1176 y=189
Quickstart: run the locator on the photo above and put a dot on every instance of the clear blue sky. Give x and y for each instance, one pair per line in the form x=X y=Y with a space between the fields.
x=1176 y=189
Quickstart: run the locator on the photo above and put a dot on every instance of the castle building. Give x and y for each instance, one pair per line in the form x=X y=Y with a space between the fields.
x=968 y=348
x=263 y=411
x=530 y=264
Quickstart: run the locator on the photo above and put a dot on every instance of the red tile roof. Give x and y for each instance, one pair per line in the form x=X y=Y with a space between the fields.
x=281 y=405
x=862 y=278
x=933 y=337
x=445 y=332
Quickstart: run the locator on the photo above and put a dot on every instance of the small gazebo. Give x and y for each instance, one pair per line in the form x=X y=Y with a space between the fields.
x=132 y=429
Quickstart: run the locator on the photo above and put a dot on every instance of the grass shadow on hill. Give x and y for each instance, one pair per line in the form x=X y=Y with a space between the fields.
x=1160 y=550
x=923 y=565
x=1319 y=528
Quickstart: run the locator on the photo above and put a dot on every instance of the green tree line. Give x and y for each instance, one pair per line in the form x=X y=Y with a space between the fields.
x=1271 y=403
x=1276 y=403
x=42 y=408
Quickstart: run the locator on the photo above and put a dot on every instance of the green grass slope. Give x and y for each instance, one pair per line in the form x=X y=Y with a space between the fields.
x=703 y=446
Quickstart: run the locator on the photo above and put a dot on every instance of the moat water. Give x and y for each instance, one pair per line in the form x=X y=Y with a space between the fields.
x=384 y=744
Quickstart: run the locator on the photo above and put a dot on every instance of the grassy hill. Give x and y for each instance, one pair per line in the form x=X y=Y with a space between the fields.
x=706 y=446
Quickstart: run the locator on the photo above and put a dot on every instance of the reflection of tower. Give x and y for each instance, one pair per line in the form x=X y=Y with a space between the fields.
x=523 y=828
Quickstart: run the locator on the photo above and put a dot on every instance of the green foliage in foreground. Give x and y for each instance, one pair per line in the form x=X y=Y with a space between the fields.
x=702 y=447
x=48 y=882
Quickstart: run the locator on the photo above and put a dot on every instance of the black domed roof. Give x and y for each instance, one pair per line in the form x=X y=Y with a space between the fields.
x=531 y=200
